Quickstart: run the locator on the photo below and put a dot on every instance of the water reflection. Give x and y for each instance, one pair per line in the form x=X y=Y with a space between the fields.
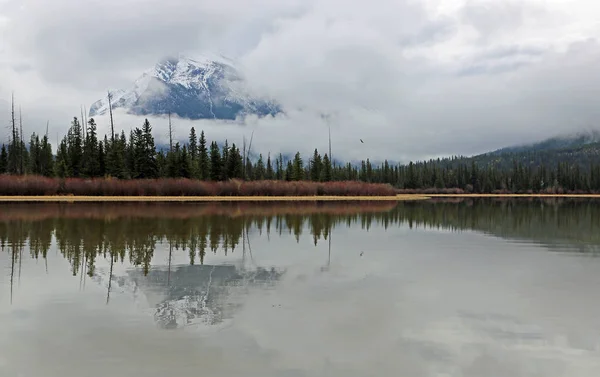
x=132 y=231
x=130 y=234
x=300 y=289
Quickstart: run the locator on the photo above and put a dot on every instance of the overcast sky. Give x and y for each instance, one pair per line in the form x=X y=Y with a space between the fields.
x=413 y=79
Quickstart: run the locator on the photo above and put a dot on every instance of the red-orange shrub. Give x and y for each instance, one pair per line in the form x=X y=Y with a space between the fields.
x=35 y=186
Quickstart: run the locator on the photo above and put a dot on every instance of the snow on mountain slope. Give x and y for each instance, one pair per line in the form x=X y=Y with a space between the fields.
x=205 y=88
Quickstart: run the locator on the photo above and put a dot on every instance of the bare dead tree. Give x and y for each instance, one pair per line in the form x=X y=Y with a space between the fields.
x=84 y=123
x=85 y=114
x=170 y=134
x=247 y=157
x=14 y=133
x=330 y=157
x=244 y=156
x=250 y=144
x=21 y=151
x=112 y=124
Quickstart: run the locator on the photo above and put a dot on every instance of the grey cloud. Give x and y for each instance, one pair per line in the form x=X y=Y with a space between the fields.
x=83 y=43
x=509 y=51
x=494 y=66
x=410 y=82
x=501 y=59
x=435 y=32
x=491 y=16
x=19 y=68
x=479 y=69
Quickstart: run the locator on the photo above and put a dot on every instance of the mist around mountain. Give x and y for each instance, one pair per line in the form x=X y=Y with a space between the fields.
x=202 y=88
x=579 y=148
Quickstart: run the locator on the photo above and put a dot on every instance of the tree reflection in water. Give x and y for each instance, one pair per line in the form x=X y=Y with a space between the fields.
x=130 y=233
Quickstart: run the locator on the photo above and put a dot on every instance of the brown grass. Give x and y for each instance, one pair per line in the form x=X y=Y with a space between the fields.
x=41 y=186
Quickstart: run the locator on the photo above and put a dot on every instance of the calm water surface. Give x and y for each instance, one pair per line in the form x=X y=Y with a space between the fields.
x=468 y=288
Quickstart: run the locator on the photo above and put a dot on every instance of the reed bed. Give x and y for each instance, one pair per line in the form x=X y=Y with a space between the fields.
x=43 y=186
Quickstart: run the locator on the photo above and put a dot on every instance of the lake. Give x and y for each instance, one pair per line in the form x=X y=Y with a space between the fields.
x=478 y=288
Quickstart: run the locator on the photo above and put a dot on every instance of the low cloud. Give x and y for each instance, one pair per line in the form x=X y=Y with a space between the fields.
x=413 y=80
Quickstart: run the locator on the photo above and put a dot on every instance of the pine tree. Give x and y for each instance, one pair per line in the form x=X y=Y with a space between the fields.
x=193 y=145
x=110 y=157
x=149 y=168
x=173 y=157
x=439 y=181
x=46 y=158
x=120 y=168
x=75 y=149
x=280 y=172
x=14 y=152
x=298 y=168
x=3 y=160
x=203 y=161
x=130 y=156
x=91 y=155
x=225 y=161
x=316 y=167
x=215 y=162
x=269 y=173
x=386 y=172
x=184 y=163
x=193 y=152
x=326 y=174
x=234 y=163
x=161 y=163
x=289 y=172
x=62 y=160
x=136 y=153
x=259 y=172
x=101 y=160
x=248 y=170
x=34 y=154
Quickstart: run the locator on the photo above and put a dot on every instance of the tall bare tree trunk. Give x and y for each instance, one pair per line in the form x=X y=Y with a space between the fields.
x=247 y=157
x=22 y=152
x=112 y=125
x=82 y=121
x=330 y=157
x=170 y=134
x=244 y=157
x=13 y=160
x=85 y=114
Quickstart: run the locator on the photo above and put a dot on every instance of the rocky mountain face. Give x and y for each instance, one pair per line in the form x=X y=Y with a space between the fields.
x=205 y=88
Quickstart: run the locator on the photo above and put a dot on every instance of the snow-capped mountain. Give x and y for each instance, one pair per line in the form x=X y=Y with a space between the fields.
x=205 y=88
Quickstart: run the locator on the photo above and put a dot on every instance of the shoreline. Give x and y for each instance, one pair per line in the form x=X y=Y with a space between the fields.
x=587 y=196
x=201 y=199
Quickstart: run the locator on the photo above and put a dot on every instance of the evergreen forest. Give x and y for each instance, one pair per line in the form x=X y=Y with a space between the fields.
x=82 y=153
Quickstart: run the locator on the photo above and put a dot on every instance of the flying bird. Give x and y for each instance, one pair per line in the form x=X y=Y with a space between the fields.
x=361 y=141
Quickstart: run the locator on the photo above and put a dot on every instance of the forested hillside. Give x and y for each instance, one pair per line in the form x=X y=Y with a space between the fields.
x=83 y=154
x=583 y=155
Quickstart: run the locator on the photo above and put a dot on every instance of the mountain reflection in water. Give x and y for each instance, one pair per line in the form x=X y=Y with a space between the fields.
x=429 y=288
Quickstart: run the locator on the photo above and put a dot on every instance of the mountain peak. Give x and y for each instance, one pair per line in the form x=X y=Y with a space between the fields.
x=205 y=87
